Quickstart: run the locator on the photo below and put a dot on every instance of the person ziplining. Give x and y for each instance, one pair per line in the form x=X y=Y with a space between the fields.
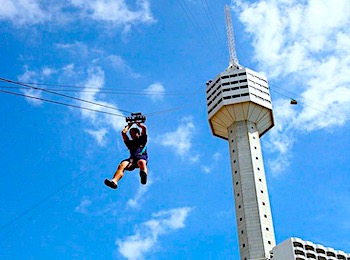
x=138 y=150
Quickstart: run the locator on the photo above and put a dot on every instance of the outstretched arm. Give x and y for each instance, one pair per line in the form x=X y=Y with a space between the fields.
x=125 y=130
x=143 y=127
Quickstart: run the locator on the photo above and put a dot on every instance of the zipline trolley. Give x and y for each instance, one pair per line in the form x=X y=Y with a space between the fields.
x=135 y=118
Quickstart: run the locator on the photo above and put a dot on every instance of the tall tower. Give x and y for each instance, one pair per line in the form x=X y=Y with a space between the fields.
x=240 y=111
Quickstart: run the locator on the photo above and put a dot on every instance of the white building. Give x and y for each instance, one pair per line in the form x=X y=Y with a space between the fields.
x=298 y=249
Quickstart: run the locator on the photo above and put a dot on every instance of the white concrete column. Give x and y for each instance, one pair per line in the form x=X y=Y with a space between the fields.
x=253 y=212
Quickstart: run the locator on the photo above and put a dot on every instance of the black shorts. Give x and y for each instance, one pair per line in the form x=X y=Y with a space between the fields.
x=133 y=162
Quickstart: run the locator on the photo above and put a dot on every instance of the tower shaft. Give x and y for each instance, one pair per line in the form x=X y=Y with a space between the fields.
x=253 y=214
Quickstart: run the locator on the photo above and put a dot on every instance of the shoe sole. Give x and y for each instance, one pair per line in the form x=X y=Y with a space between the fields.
x=143 y=176
x=111 y=184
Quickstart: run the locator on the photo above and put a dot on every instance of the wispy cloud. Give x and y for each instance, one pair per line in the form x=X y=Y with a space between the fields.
x=99 y=123
x=211 y=164
x=89 y=81
x=32 y=12
x=146 y=236
x=97 y=206
x=93 y=85
x=79 y=51
x=155 y=91
x=180 y=139
x=31 y=76
x=22 y=12
x=99 y=135
x=75 y=49
x=83 y=206
x=116 y=11
x=140 y=194
x=120 y=64
x=304 y=46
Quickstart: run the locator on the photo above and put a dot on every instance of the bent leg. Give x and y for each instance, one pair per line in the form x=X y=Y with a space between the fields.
x=119 y=173
x=142 y=165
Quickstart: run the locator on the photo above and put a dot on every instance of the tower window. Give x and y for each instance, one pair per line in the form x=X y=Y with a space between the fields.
x=243 y=245
x=257 y=158
x=239 y=206
x=237 y=183
x=265 y=216
x=263 y=203
x=260 y=180
x=262 y=191
x=267 y=229
x=237 y=194
x=240 y=219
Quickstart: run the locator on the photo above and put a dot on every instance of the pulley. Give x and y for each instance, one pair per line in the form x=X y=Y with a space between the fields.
x=135 y=118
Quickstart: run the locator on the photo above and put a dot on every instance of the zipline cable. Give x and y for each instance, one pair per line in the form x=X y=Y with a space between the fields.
x=60 y=94
x=164 y=111
x=147 y=114
x=190 y=16
x=44 y=204
x=41 y=206
x=211 y=20
x=60 y=103
x=106 y=91
x=316 y=109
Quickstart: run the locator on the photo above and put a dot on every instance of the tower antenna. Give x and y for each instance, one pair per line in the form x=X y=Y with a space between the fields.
x=230 y=40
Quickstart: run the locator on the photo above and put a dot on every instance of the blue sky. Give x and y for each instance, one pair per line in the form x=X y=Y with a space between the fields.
x=155 y=57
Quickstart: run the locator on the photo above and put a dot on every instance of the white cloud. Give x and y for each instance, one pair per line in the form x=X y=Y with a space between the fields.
x=146 y=236
x=32 y=12
x=76 y=49
x=181 y=139
x=140 y=194
x=83 y=206
x=22 y=12
x=116 y=12
x=211 y=163
x=155 y=91
x=68 y=70
x=120 y=64
x=93 y=85
x=305 y=46
x=46 y=71
x=94 y=208
x=31 y=76
x=99 y=135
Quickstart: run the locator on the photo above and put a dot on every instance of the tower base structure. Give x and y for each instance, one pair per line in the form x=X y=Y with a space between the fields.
x=252 y=205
